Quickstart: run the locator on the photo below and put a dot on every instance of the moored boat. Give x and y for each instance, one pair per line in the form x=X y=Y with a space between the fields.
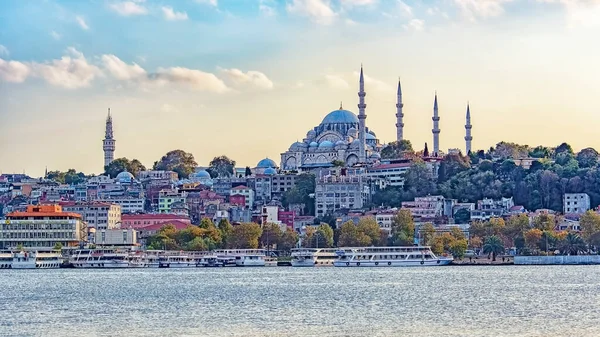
x=99 y=258
x=313 y=257
x=416 y=256
x=29 y=260
x=244 y=257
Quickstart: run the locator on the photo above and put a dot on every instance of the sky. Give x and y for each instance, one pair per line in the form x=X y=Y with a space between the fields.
x=247 y=78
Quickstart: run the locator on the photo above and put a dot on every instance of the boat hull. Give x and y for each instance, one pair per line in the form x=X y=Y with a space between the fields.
x=402 y=263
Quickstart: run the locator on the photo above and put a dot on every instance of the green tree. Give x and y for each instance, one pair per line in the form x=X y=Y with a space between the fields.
x=403 y=228
x=248 y=171
x=458 y=248
x=532 y=238
x=196 y=244
x=221 y=166
x=587 y=157
x=428 y=232
x=226 y=229
x=369 y=227
x=590 y=224
x=58 y=246
x=245 y=236
x=563 y=148
x=451 y=165
x=351 y=237
x=494 y=246
x=541 y=152
x=419 y=180
x=301 y=192
x=178 y=161
x=544 y=222
x=271 y=235
x=123 y=164
x=338 y=163
x=573 y=244
x=396 y=150
x=289 y=240
x=516 y=226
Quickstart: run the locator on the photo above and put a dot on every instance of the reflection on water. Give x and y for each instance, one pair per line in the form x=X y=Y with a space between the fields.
x=448 y=301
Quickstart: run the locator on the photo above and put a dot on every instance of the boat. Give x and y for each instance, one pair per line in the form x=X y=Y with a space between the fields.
x=29 y=260
x=137 y=260
x=313 y=257
x=176 y=260
x=270 y=261
x=99 y=258
x=244 y=257
x=417 y=256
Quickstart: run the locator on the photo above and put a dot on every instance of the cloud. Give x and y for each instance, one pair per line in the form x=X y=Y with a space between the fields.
x=319 y=11
x=171 y=15
x=405 y=10
x=251 y=77
x=196 y=79
x=121 y=70
x=213 y=3
x=415 y=25
x=82 y=23
x=55 y=35
x=373 y=84
x=70 y=71
x=356 y=3
x=336 y=82
x=166 y=107
x=473 y=9
x=265 y=7
x=13 y=71
x=128 y=8
x=580 y=12
x=3 y=50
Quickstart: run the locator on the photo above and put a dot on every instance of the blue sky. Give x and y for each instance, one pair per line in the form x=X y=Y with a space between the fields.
x=246 y=78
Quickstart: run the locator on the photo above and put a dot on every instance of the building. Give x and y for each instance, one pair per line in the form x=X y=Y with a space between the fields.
x=147 y=231
x=108 y=144
x=246 y=192
x=168 y=197
x=281 y=183
x=147 y=176
x=128 y=205
x=436 y=128
x=286 y=217
x=576 y=203
x=392 y=174
x=342 y=135
x=385 y=218
x=271 y=213
x=344 y=189
x=137 y=221
x=490 y=208
x=303 y=221
x=99 y=215
x=428 y=207
x=262 y=187
x=468 y=127
x=115 y=237
x=42 y=227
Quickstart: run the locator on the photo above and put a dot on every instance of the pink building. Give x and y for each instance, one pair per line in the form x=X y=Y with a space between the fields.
x=137 y=221
x=287 y=217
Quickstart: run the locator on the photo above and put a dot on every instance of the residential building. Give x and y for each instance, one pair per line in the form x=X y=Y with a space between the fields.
x=385 y=218
x=115 y=237
x=223 y=186
x=392 y=174
x=240 y=215
x=490 y=208
x=42 y=227
x=426 y=207
x=281 y=183
x=168 y=197
x=303 y=221
x=99 y=215
x=286 y=217
x=262 y=189
x=137 y=221
x=128 y=205
x=244 y=191
x=168 y=176
x=576 y=203
x=271 y=213
x=343 y=189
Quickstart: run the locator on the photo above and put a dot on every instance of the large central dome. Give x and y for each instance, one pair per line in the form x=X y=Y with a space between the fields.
x=340 y=117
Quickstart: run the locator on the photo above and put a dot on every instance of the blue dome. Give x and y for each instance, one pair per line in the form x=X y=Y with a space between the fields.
x=314 y=144
x=326 y=143
x=201 y=174
x=265 y=163
x=340 y=116
x=370 y=136
x=270 y=171
x=125 y=177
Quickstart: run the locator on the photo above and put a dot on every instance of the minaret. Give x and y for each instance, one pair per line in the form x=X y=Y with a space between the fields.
x=436 y=128
x=399 y=115
x=362 y=129
x=468 y=126
x=108 y=144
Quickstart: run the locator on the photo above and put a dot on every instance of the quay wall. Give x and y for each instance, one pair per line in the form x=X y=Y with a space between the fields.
x=557 y=259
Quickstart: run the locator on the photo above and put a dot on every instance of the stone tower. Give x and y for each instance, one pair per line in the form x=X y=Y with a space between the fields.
x=468 y=126
x=108 y=144
x=436 y=128
x=362 y=128
x=399 y=115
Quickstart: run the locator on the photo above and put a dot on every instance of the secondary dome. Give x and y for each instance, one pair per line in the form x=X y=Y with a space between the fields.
x=266 y=163
x=201 y=174
x=326 y=143
x=370 y=136
x=340 y=117
x=270 y=171
x=125 y=177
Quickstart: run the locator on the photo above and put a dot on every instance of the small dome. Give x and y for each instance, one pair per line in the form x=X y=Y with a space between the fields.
x=340 y=142
x=369 y=136
x=326 y=143
x=314 y=144
x=202 y=174
x=297 y=146
x=373 y=133
x=351 y=131
x=311 y=134
x=375 y=155
x=340 y=117
x=270 y=171
x=125 y=177
x=265 y=163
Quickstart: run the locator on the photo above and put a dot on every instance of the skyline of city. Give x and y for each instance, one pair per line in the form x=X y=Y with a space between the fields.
x=201 y=95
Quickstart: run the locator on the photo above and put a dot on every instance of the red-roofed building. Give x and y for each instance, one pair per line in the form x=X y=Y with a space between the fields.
x=149 y=230
x=237 y=200
x=245 y=191
x=137 y=221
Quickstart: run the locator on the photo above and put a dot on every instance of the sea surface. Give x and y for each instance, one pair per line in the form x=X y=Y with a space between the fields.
x=286 y=301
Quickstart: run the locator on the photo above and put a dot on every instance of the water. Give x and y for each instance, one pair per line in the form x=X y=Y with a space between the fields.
x=284 y=301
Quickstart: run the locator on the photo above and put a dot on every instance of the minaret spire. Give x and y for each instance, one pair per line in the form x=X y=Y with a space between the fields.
x=108 y=144
x=399 y=115
x=436 y=128
x=362 y=156
x=468 y=127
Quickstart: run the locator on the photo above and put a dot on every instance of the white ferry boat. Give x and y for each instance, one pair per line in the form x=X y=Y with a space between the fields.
x=177 y=260
x=389 y=257
x=244 y=257
x=313 y=257
x=270 y=261
x=99 y=258
x=29 y=260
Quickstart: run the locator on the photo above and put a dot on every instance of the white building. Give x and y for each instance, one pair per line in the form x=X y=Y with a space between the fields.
x=385 y=218
x=576 y=203
x=336 y=190
x=426 y=207
x=392 y=174
x=115 y=237
x=490 y=208
x=128 y=205
x=99 y=215
x=246 y=192
x=271 y=212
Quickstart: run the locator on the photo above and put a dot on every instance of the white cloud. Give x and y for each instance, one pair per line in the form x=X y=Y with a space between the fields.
x=208 y=2
x=55 y=35
x=13 y=71
x=71 y=71
x=373 y=84
x=252 y=77
x=3 y=50
x=196 y=79
x=319 y=11
x=405 y=10
x=265 y=7
x=81 y=22
x=128 y=8
x=473 y=9
x=415 y=25
x=584 y=13
x=172 y=15
x=121 y=70
x=350 y=22
x=336 y=82
x=356 y=3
